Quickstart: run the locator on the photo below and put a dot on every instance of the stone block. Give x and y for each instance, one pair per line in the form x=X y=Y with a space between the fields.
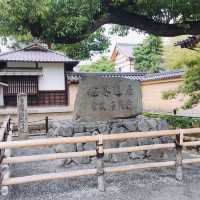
x=143 y=125
x=104 y=99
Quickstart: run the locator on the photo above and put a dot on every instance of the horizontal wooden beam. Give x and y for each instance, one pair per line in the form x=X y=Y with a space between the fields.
x=95 y=138
x=139 y=148
x=49 y=176
x=190 y=144
x=121 y=169
x=89 y=172
x=45 y=157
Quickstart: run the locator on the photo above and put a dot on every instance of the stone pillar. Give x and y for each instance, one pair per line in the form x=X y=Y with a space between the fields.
x=22 y=115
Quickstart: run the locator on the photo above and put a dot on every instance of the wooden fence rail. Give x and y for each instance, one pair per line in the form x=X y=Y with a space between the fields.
x=100 y=170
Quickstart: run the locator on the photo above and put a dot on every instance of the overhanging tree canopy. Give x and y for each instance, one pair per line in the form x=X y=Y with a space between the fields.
x=69 y=21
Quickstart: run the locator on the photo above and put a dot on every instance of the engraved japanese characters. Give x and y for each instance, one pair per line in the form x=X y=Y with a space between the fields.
x=102 y=99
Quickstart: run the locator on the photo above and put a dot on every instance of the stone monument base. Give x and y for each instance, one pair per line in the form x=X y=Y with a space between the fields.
x=137 y=124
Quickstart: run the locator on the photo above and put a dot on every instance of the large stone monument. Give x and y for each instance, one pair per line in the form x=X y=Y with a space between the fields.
x=102 y=99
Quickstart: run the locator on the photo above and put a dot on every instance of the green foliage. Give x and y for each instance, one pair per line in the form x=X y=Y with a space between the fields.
x=73 y=20
x=190 y=86
x=47 y=19
x=177 y=121
x=102 y=65
x=96 y=42
x=170 y=94
x=148 y=55
x=176 y=57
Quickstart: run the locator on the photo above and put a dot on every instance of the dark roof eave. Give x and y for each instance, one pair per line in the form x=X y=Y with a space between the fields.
x=30 y=61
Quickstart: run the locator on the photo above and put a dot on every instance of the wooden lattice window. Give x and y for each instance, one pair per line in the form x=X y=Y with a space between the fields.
x=28 y=85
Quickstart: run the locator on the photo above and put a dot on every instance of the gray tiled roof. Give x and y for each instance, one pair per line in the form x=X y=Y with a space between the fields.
x=126 y=49
x=164 y=75
x=36 y=53
x=75 y=77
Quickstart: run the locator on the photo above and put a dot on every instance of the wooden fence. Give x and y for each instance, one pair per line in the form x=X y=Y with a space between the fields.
x=99 y=170
x=5 y=135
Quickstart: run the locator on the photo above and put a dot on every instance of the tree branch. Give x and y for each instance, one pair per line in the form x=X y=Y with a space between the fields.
x=122 y=17
x=148 y=25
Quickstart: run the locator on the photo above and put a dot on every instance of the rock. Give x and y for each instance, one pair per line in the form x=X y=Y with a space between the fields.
x=109 y=145
x=79 y=147
x=136 y=155
x=128 y=143
x=163 y=125
x=130 y=125
x=90 y=127
x=82 y=134
x=104 y=99
x=116 y=129
x=89 y=146
x=64 y=130
x=152 y=124
x=51 y=133
x=83 y=160
x=120 y=157
x=95 y=133
x=145 y=141
x=63 y=148
x=156 y=141
x=54 y=125
x=143 y=125
x=78 y=128
x=166 y=139
x=103 y=128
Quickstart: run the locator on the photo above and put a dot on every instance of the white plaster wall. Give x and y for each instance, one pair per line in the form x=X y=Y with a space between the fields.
x=21 y=64
x=1 y=96
x=123 y=62
x=53 y=77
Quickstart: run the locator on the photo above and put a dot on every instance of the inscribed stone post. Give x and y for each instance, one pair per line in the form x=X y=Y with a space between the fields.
x=22 y=114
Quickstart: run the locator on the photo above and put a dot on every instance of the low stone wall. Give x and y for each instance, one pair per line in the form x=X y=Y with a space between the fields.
x=137 y=124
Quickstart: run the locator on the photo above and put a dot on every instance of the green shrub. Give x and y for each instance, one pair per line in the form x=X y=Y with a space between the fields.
x=177 y=121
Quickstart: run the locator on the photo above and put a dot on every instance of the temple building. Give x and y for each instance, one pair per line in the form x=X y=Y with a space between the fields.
x=37 y=71
x=123 y=57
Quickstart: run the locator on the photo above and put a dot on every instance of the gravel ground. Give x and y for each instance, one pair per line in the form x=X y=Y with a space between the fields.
x=141 y=185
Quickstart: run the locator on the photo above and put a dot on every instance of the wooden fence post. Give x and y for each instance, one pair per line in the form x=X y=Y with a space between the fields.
x=47 y=124
x=100 y=164
x=179 y=156
x=5 y=169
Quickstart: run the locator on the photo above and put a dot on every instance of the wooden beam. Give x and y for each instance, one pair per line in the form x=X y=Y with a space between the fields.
x=45 y=157
x=95 y=138
x=49 y=176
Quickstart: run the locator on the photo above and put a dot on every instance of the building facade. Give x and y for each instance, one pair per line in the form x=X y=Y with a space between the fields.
x=123 y=58
x=37 y=71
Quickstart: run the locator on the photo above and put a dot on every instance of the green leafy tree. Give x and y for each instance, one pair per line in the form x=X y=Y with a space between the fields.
x=175 y=57
x=95 y=43
x=190 y=86
x=148 y=55
x=70 y=21
x=102 y=65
